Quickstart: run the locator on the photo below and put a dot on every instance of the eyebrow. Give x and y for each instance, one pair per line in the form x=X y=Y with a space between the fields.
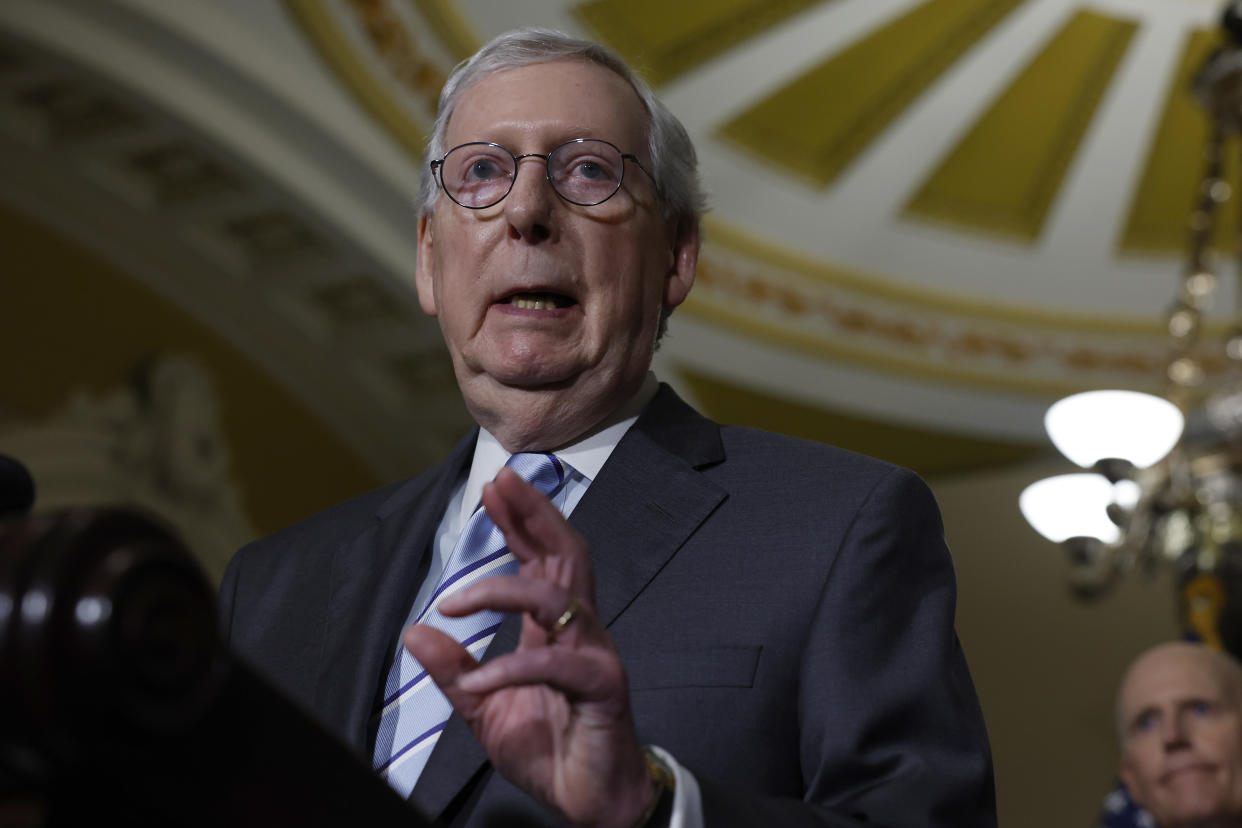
x=560 y=136
x=1181 y=705
x=1133 y=721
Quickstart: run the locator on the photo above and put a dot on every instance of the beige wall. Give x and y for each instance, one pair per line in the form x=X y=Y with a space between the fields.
x=1045 y=665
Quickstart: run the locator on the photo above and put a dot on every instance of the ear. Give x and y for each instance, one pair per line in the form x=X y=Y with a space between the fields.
x=685 y=260
x=424 y=266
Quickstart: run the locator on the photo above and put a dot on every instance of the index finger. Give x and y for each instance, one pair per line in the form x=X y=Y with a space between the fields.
x=536 y=532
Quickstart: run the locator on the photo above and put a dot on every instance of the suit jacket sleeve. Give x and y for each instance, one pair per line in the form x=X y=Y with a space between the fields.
x=890 y=729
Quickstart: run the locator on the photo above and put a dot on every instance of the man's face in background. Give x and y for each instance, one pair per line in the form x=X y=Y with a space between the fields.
x=1181 y=736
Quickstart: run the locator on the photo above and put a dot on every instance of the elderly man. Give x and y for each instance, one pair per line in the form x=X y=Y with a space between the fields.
x=731 y=628
x=1179 y=714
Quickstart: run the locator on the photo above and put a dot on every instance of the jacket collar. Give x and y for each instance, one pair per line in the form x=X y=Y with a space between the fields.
x=373 y=582
x=648 y=499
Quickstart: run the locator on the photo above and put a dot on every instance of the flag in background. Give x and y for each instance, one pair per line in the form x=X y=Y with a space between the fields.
x=1120 y=811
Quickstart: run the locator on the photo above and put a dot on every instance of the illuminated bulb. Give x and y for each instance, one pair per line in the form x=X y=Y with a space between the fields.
x=1233 y=347
x=1200 y=283
x=1126 y=494
x=1185 y=372
x=1181 y=324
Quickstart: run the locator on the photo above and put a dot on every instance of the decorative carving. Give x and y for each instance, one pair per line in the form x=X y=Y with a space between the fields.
x=179 y=171
x=276 y=234
x=813 y=316
x=155 y=443
x=393 y=44
x=72 y=112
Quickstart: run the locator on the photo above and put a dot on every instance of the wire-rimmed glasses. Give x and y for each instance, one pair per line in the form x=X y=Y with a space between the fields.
x=584 y=171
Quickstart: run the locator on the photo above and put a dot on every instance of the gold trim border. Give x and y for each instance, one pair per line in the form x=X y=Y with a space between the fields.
x=926 y=346
x=337 y=52
x=769 y=252
x=450 y=26
x=920 y=369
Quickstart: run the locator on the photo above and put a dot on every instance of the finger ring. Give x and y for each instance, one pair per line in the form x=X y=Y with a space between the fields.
x=567 y=618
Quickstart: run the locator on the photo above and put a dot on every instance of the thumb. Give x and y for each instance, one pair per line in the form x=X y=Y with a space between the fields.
x=445 y=660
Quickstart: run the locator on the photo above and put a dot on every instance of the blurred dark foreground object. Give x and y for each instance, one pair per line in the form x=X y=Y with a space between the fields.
x=17 y=492
x=119 y=705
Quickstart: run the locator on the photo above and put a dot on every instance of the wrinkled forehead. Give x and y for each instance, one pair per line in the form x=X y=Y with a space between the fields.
x=550 y=101
x=1171 y=676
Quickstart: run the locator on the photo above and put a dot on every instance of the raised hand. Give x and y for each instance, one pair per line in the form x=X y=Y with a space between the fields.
x=554 y=715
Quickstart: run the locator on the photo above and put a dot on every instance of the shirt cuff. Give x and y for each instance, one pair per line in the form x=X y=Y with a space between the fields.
x=687 y=800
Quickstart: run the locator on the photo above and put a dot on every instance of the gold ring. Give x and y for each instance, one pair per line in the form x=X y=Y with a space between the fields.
x=567 y=618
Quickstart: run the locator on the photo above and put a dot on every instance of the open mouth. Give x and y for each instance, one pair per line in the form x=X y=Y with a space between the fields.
x=539 y=301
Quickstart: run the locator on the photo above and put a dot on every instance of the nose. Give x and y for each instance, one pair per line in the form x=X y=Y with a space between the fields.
x=530 y=204
x=1174 y=732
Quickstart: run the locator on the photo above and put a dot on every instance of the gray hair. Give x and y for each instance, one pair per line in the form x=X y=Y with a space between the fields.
x=674 y=164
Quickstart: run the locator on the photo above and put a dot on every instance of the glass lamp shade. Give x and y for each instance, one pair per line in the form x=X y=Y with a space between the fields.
x=1070 y=506
x=1126 y=425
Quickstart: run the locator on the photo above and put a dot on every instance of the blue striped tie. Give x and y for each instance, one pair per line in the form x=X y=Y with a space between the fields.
x=414 y=711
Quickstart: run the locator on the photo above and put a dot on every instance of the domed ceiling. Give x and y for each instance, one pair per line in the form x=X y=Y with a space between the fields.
x=930 y=218
x=939 y=213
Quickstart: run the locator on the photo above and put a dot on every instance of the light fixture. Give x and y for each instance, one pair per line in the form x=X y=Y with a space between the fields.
x=1151 y=495
x=1097 y=426
x=1070 y=506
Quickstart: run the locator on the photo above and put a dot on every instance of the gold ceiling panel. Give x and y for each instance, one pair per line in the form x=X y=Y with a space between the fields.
x=1003 y=175
x=1166 y=191
x=926 y=451
x=815 y=126
x=666 y=39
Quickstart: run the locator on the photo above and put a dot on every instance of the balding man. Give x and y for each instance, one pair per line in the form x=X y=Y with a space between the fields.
x=1179 y=713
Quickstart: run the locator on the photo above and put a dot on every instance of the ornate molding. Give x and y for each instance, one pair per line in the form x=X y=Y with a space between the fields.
x=825 y=320
x=206 y=223
x=155 y=443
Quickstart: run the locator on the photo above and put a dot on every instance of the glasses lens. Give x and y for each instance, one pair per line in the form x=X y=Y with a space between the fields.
x=477 y=175
x=587 y=171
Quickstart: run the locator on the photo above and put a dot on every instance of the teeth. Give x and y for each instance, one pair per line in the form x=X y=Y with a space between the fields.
x=533 y=304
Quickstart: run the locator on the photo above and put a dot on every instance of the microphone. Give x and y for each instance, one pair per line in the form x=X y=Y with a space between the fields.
x=17 y=490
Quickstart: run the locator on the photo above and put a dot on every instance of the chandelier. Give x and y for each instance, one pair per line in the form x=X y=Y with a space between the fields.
x=1154 y=493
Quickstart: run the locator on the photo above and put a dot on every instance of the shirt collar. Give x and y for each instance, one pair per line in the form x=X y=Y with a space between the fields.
x=586 y=457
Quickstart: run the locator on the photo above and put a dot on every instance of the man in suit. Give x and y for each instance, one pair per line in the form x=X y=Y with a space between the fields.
x=731 y=628
x=1179 y=717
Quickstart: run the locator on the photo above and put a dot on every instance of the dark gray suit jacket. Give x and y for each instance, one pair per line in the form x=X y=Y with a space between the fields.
x=784 y=611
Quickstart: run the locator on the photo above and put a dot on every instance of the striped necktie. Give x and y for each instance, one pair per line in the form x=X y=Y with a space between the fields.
x=414 y=711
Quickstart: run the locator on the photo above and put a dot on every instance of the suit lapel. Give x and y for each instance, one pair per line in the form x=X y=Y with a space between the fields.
x=373 y=583
x=647 y=500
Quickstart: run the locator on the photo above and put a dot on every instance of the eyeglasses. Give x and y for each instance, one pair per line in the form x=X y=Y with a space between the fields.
x=584 y=171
